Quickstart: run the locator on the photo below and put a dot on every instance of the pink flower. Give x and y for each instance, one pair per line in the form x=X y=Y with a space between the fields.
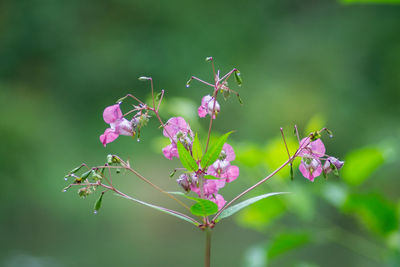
x=170 y=151
x=210 y=187
x=176 y=129
x=207 y=106
x=327 y=168
x=222 y=168
x=219 y=200
x=176 y=125
x=311 y=151
x=310 y=168
x=118 y=125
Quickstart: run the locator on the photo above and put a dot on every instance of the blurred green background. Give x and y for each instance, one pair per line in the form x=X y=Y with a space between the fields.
x=310 y=63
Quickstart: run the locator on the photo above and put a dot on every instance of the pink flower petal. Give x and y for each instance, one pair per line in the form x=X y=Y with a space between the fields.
x=170 y=151
x=311 y=148
x=231 y=173
x=307 y=174
x=202 y=112
x=122 y=127
x=219 y=200
x=108 y=136
x=174 y=125
x=318 y=148
x=112 y=113
x=230 y=153
x=205 y=100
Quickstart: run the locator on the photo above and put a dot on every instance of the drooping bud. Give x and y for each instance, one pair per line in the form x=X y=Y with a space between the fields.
x=183 y=181
x=209 y=59
x=238 y=78
x=239 y=99
x=333 y=165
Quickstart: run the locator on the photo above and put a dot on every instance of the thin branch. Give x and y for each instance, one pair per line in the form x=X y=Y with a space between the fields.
x=200 y=80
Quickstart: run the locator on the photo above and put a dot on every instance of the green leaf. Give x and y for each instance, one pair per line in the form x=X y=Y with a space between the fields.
x=86 y=175
x=98 y=203
x=214 y=151
x=186 y=159
x=285 y=242
x=233 y=209
x=75 y=170
x=196 y=149
x=165 y=210
x=262 y=214
x=204 y=207
x=361 y=163
x=372 y=210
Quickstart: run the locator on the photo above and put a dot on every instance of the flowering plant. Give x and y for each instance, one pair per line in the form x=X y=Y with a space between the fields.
x=205 y=169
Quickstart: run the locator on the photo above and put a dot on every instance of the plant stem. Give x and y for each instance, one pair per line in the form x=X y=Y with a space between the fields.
x=207 y=256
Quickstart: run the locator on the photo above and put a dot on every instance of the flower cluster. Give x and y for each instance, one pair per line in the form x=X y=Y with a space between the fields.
x=312 y=152
x=178 y=130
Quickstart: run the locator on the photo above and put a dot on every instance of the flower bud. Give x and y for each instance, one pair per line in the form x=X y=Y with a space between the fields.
x=183 y=181
x=332 y=165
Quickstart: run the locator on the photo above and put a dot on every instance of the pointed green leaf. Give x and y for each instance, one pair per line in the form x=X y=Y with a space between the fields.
x=86 y=175
x=186 y=159
x=196 y=149
x=214 y=151
x=165 y=210
x=233 y=209
x=76 y=169
x=204 y=207
x=97 y=205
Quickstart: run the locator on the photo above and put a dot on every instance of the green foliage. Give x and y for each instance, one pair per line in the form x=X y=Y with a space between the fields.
x=376 y=213
x=287 y=241
x=261 y=255
x=204 y=207
x=261 y=214
x=214 y=151
x=196 y=148
x=360 y=164
x=235 y=208
x=186 y=159
x=98 y=203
